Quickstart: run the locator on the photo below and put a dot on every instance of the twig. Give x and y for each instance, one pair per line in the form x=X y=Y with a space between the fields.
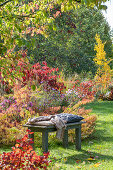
x=4 y=3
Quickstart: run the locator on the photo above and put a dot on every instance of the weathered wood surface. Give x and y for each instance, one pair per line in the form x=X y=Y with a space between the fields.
x=46 y=129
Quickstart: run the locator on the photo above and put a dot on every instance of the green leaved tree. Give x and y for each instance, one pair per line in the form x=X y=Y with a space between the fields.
x=19 y=16
x=70 y=42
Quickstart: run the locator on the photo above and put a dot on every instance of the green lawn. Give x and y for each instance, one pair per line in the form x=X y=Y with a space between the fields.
x=97 y=151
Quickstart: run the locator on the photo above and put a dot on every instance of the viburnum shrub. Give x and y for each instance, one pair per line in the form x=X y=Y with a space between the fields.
x=24 y=73
x=45 y=75
x=23 y=157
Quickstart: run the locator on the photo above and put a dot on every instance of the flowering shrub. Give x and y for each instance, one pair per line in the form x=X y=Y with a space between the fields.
x=80 y=91
x=7 y=103
x=23 y=157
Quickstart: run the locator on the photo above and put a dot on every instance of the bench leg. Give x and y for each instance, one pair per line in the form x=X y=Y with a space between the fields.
x=45 y=141
x=78 y=138
x=32 y=136
x=65 y=139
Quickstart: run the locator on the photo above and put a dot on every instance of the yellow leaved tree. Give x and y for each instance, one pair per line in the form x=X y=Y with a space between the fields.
x=104 y=73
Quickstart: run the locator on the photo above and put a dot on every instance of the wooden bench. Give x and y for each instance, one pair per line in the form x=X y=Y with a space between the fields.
x=46 y=129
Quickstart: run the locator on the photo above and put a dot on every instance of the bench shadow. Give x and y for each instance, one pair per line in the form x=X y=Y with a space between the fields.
x=84 y=155
x=96 y=139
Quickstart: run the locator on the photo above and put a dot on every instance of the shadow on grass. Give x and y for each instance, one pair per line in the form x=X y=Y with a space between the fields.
x=5 y=148
x=102 y=122
x=84 y=155
x=103 y=107
x=99 y=138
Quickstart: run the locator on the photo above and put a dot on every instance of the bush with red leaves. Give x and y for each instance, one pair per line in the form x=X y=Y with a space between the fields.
x=23 y=157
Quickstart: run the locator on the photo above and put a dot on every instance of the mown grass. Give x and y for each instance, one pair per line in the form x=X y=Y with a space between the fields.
x=97 y=150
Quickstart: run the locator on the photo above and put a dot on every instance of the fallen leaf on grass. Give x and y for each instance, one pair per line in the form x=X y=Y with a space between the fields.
x=97 y=164
x=83 y=162
x=78 y=161
x=90 y=159
x=79 y=167
x=65 y=159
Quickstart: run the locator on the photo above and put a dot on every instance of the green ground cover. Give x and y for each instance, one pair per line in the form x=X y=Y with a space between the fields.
x=97 y=150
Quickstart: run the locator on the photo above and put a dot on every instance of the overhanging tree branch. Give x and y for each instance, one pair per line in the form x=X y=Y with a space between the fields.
x=4 y=3
x=20 y=16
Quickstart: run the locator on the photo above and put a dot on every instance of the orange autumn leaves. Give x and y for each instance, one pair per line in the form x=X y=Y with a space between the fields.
x=23 y=157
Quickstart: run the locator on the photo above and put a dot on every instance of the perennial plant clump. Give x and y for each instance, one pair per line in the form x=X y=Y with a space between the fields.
x=6 y=103
x=23 y=157
x=39 y=91
x=83 y=93
x=90 y=119
x=15 y=113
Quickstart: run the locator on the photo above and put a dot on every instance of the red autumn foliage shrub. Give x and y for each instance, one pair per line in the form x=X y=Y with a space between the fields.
x=23 y=156
x=44 y=74
x=84 y=89
x=40 y=74
x=21 y=71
